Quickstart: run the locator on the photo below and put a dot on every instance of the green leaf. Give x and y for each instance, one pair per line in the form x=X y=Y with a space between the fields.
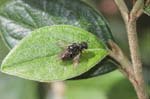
x=147 y=10
x=15 y=88
x=37 y=56
x=3 y=50
x=19 y=17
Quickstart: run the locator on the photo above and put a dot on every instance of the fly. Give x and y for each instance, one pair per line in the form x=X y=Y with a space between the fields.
x=73 y=52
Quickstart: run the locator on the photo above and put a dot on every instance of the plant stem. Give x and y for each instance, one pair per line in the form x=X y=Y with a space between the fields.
x=136 y=61
x=125 y=65
x=134 y=49
x=147 y=2
x=130 y=22
x=123 y=9
x=58 y=90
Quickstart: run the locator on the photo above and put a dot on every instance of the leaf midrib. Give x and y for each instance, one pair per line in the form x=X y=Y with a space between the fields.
x=36 y=58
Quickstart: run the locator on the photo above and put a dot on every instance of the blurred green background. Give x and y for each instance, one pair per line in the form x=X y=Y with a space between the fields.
x=109 y=86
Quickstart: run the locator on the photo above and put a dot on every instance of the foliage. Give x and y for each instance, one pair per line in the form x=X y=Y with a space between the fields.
x=36 y=57
x=147 y=9
x=19 y=17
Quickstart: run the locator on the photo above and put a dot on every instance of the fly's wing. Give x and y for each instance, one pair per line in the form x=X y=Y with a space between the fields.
x=65 y=55
x=62 y=44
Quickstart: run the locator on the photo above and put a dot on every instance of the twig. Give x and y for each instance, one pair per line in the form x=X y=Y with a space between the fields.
x=147 y=2
x=123 y=9
x=133 y=1
x=134 y=50
x=137 y=66
x=117 y=54
x=125 y=65
x=137 y=9
x=130 y=23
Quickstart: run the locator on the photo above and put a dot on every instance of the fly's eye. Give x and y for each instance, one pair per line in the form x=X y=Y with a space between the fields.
x=84 y=45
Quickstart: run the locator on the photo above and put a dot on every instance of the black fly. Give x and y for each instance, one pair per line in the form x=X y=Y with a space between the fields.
x=73 y=52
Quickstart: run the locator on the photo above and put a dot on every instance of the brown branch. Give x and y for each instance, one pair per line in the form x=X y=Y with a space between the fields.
x=133 y=1
x=134 y=49
x=136 y=61
x=123 y=9
x=137 y=9
x=125 y=65
x=130 y=23
x=147 y=2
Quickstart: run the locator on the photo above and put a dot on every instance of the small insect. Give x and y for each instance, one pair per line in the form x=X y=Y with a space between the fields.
x=73 y=52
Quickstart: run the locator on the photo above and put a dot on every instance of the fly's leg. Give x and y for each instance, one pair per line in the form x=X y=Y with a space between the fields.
x=76 y=60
